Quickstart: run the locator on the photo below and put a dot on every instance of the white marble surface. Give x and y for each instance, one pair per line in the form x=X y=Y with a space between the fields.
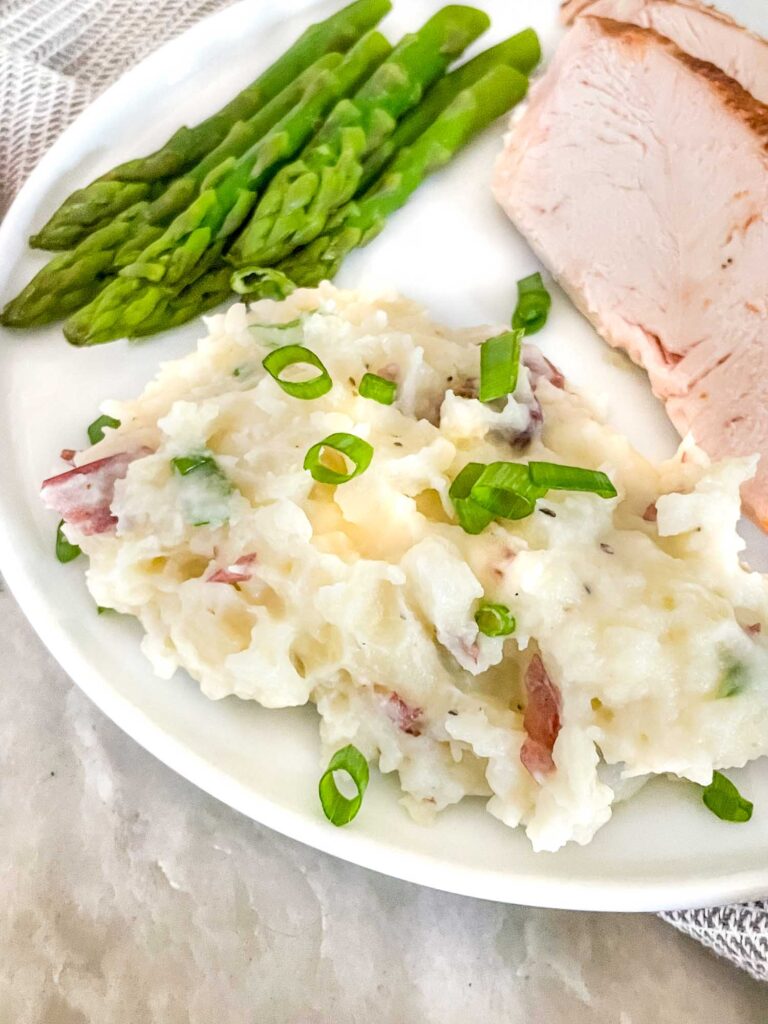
x=129 y=897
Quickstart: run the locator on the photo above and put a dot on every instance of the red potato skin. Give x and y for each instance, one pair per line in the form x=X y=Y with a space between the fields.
x=83 y=496
x=541 y=721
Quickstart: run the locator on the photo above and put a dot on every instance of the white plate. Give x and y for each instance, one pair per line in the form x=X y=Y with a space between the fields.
x=454 y=251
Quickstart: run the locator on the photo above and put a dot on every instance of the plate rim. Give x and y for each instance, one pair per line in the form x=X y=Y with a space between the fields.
x=543 y=890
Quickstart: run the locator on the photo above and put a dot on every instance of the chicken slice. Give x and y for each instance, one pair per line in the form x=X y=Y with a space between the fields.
x=639 y=175
x=697 y=29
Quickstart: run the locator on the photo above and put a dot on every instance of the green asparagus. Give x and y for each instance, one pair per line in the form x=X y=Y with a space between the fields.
x=195 y=238
x=73 y=279
x=475 y=107
x=521 y=51
x=471 y=111
x=96 y=204
x=303 y=196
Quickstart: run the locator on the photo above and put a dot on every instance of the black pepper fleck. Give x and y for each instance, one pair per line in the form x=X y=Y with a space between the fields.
x=452 y=712
x=588 y=588
x=606 y=548
x=548 y=512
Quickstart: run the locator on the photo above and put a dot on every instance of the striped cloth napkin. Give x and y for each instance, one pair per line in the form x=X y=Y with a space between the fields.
x=55 y=57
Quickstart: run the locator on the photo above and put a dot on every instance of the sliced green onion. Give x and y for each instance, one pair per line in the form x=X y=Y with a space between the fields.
x=294 y=355
x=354 y=448
x=337 y=808
x=184 y=464
x=725 y=801
x=96 y=429
x=506 y=490
x=205 y=497
x=268 y=282
x=472 y=518
x=494 y=620
x=378 y=388
x=499 y=365
x=733 y=679
x=570 y=478
x=533 y=302
x=276 y=327
x=65 y=551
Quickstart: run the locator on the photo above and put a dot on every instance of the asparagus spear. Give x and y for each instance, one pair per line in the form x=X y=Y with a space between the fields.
x=72 y=279
x=118 y=189
x=521 y=51
x=471 y=111
x=195 y=238
x=207 y=291
x=296 y=206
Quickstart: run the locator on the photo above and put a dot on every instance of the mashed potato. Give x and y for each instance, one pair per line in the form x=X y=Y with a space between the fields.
x=260 y=582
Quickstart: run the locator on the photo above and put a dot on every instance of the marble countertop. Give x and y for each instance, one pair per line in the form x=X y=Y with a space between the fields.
x=130 y=897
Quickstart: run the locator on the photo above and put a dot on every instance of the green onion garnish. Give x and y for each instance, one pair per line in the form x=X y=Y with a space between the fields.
x=510 y=490
x=184 y=464
x=494 y=620
x=96 y=429
x=353 y=448
x=276 y=327
x=378 y=388
x=533 y=302
x=499 y=365
x=472 y=518
x=65 y=551
x=733 y=679
x=506 y=490
x=268 y=282
x=724 y=800
x=337 y=808
x=294 y=355
x=570 y=478
x=207 y=506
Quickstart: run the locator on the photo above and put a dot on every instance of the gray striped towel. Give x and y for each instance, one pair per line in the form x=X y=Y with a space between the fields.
x=55 y=57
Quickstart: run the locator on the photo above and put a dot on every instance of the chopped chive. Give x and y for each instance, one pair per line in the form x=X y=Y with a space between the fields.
x=571 y=478
x=378 y=388
x=725 y=801
x=337 y=808
x=499 y=365
x=65 y=551
x=268 y=282
x=533 y=303
x=295 y=355
x=358 y=451
x=472 y=518
x=96 y=429
x=505 y=489
x=494 y=620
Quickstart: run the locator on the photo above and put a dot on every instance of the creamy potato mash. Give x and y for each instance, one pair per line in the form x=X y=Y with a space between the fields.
x=639 y=635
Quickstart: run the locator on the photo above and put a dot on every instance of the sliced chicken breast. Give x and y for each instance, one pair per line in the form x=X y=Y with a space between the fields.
x=639 y=175
x=697 y=29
